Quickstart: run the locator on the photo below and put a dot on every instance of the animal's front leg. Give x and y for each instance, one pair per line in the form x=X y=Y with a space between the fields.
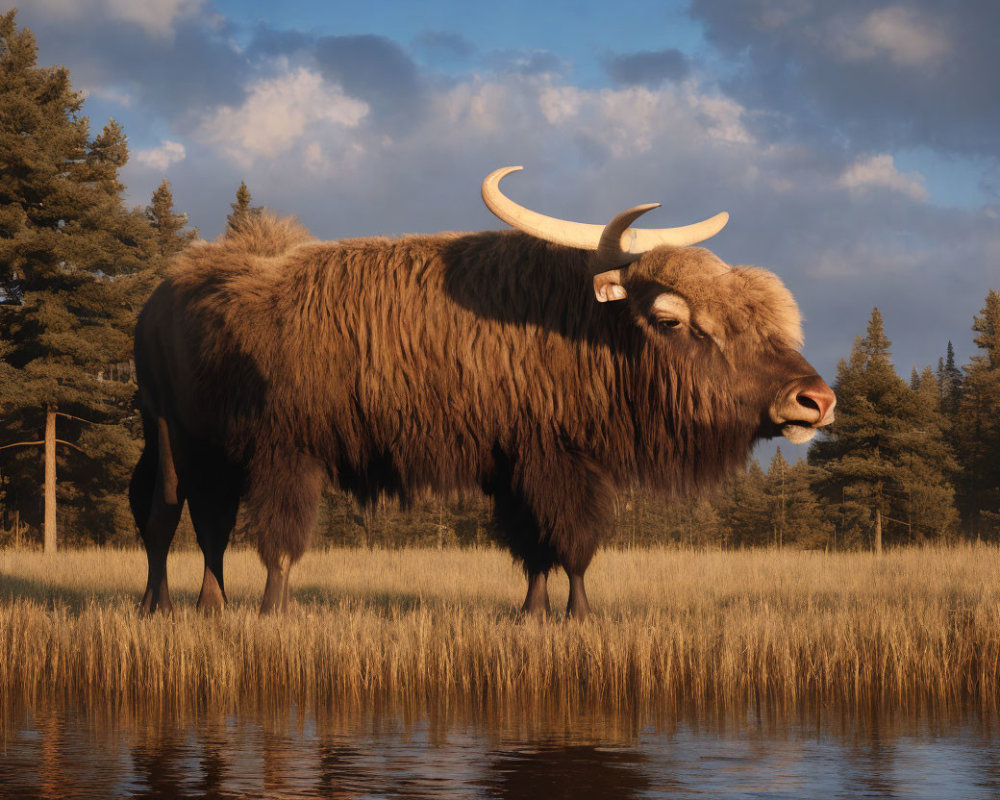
x=536 y=603
x=282 y=503
x=578 y=607
x=276 y=589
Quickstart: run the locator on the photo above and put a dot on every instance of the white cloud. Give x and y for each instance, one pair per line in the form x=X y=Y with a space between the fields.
x=293 y=110
x=858 y=259
x=313 y=127
x=156 y=17
x=622 y=122
x=559 y=103
x=160 y=158
x=635 y=119
x=723 y=117
x=294 y=131
x=110 y=94
x=907 y=37
x=879 y=172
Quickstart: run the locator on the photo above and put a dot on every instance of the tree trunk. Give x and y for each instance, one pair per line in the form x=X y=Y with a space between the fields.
x=50 y=480
x=878 y=531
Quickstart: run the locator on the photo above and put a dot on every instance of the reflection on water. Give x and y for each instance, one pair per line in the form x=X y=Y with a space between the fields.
x=74 y=754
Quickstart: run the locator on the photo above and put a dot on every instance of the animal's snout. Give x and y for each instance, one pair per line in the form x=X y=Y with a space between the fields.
x=805 y=401
x=820 y=397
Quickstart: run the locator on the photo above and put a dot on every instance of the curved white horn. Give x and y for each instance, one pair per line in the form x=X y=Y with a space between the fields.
x=636 y=241
x=615 y=249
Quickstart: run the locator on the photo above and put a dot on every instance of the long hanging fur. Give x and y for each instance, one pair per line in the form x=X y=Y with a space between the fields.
x=454 y=361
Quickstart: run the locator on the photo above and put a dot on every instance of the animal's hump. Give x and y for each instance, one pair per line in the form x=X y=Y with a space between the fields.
x=264 y=233
x=251 y=246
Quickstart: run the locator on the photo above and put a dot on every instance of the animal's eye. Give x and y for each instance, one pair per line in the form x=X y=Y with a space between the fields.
x=664 y=323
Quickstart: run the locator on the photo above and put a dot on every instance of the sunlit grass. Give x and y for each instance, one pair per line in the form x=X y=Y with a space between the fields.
x=670 y=628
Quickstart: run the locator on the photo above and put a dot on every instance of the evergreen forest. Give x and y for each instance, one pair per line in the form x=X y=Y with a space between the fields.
x=908 y=461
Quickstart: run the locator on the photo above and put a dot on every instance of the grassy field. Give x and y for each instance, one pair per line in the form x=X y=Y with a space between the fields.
x=671 y=628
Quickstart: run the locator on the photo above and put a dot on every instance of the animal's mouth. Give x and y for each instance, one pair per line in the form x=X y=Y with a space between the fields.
x=802 y=406
x=798 y=432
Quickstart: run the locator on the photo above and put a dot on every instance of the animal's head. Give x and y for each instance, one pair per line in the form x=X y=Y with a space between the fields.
x=737 y=325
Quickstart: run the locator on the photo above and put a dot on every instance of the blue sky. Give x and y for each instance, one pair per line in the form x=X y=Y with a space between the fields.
x=855 y=143
x=581 y=32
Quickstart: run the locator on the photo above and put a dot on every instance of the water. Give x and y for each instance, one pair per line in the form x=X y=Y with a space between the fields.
x=70 y=753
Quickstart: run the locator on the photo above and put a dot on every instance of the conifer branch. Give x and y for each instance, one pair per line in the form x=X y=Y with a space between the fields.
x=74 y=446
x=81 y=419
x=42 y=441
x=22 y=444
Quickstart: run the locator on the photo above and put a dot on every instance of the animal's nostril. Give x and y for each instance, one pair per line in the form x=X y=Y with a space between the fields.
x=807 y=401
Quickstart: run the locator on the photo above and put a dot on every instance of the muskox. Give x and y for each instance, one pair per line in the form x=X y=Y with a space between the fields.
x=270 y=363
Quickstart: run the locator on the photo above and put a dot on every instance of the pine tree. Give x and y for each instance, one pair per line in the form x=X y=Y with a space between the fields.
x=171 y=237
x=929 y=394
x=743 y=509
x=70 y=254
x=987 y=325
x=977 y=426
x=929 y=466
x=886 y=453
x=776 y=490
x=793 y=511
x=241 y=208
x=949 y=378
x=687 y=521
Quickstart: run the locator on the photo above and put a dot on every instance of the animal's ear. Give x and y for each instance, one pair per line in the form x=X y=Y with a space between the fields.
x=608 y=286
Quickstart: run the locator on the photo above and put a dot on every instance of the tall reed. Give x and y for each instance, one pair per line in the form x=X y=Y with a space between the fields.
x=672 y=628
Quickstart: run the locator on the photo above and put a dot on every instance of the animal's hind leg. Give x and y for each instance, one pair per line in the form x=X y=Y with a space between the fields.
x=282 y=501
x=142 y=485
x=213 y=498
x=156 y=500
x=158 y=535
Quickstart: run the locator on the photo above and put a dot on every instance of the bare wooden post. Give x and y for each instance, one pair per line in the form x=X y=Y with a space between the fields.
x=50 y=481
x=878 y=531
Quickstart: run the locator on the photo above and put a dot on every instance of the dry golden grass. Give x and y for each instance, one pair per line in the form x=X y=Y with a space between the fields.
x=671 y=628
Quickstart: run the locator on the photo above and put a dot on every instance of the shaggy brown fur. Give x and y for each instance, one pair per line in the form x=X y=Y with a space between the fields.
x=448 y=361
